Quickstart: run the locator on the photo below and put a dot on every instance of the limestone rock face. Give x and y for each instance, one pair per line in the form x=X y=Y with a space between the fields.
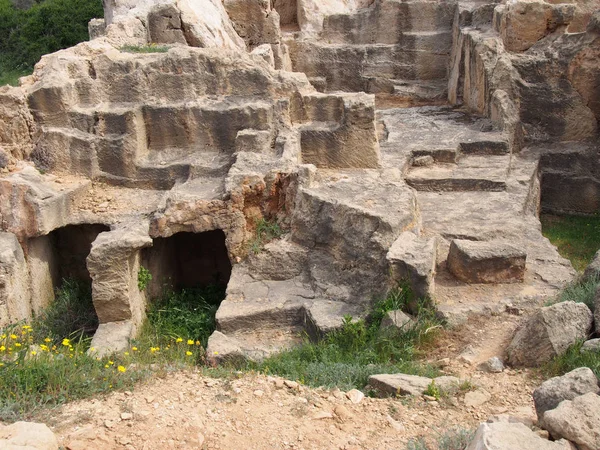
x=486 y=262
x=509 y=436
x=199 y=23
x=16 y=124
x=14 y=281
x=526 y=22
x=27 y=436
x=553 y=391
x=549 y=333
x=577 y=420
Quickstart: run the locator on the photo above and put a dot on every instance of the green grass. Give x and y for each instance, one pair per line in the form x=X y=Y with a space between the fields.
x=576 y=238
x=11 y=76
x=189 y=313
x=579 y=291
x=347 y=357
x=46 y=363
x=572 y=359
x=266 y=231
x=150 y=48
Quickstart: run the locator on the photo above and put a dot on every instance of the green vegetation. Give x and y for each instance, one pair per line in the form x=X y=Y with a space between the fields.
x=579 y=291
x=189 y=313
x=571 y=360
x=453 y=439
x=51 y=362
x=577 y=238
x=150 y=48
x=433 y=390
x=347 y=357
x=46 y=363
x=144 y=278
x=266 y=231
x=48 y=26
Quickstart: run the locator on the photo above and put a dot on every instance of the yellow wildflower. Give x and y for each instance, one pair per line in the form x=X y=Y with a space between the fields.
x=66 y=342
x=111 y=363
x=126 y=353
x=17 y=344
x=197 y=342
x=190 y=342
x=134 y=349
x=47 y=340
x=178 y=340
x=2 y=348
x=121 y=369
x=106 y=366
x=34 y=353
x=13 y=336
x=189 y=353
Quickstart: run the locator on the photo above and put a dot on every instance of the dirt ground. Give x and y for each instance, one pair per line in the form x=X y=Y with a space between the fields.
x=186 y=410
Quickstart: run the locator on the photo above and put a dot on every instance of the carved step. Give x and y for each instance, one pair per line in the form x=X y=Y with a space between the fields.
x=471 y=173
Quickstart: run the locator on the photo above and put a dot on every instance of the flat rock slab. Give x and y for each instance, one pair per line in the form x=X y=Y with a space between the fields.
x=402 y=384
x=511 y=436
x=577 y=420
x=486 y=262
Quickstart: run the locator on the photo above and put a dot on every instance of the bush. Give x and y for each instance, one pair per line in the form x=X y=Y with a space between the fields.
x=28 y=34
x=571 y=360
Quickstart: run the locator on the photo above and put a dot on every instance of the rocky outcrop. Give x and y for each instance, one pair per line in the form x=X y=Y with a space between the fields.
x=550 y=332
x=402 y=384
x=555 y=390
x=577 y=420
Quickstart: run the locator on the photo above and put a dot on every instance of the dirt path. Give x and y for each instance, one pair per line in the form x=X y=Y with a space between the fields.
x=186 y=410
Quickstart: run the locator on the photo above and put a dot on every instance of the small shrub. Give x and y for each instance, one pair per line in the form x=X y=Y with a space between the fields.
x=266 y=231
x=580 y=291
x=571 y=360
x=452 y=439
x=433 y=390
x=144 y=278
x=150 y=48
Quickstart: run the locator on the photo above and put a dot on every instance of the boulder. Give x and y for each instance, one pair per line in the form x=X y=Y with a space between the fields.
x=398 y=321
x=549 y=333
x=577 y=420
x=555 y=390
x=112 y=337
x=510 y=436
x=486 y=262
x=27 y=436
x=492 y=365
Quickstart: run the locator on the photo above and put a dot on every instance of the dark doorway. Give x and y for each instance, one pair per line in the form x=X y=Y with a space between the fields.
x=188 y=260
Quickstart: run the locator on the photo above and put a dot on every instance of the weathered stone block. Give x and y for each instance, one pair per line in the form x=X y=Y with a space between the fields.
x=14 y=281
x=510 y=436
x=412 y=258
x=486 y=262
